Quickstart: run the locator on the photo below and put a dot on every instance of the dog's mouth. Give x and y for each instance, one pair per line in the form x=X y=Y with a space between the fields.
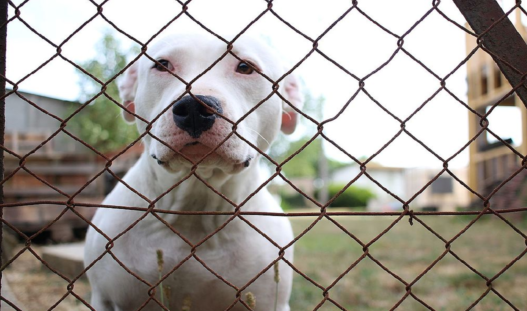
x=195 y=150
x=203 y=155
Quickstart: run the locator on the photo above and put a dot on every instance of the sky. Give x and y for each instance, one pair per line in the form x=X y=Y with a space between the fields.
x=355 y=43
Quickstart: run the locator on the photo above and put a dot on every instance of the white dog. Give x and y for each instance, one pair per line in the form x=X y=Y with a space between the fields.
x=237 y=253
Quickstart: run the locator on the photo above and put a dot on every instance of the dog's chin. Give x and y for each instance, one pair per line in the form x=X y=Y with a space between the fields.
x=197 y=151
x=205 y=159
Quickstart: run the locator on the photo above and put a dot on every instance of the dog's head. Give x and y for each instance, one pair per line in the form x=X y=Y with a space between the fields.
x=203 y=117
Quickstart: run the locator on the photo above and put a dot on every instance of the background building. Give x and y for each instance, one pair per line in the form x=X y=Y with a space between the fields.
x=61 y=162
x=444 y=194
x=492 y=161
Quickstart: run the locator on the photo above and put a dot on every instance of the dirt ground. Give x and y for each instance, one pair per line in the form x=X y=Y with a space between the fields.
x=37 y=288
x=326 y=252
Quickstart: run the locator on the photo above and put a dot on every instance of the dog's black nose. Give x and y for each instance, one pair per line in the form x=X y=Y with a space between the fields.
x=193 y=117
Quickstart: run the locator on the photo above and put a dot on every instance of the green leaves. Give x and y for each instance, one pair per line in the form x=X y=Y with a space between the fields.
x=100 y=123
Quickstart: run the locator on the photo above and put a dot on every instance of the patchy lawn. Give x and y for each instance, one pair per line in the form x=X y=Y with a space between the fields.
x=488 y=246
x=326 y=252
x=37 y=288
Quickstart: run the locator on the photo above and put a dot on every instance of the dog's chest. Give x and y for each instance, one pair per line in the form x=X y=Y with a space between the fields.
x=208 y=272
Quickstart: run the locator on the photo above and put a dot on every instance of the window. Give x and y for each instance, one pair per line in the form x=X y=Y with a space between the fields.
x=443 y=185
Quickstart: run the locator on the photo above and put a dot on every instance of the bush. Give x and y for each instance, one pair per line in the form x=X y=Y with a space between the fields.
x=294 y=200
x=354 y=196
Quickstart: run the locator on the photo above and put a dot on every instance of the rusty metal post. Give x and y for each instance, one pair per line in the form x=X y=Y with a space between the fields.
x=3 y=44
x=499 y=37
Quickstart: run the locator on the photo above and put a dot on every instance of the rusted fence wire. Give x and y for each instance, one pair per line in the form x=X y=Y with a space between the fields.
x=70 y=203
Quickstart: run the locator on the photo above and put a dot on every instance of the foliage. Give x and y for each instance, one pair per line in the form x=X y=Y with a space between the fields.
x=100 y=124
x=354 y=196
x=306 y=163
x=292 y=200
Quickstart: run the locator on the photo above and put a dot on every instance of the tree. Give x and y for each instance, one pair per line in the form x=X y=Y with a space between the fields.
x=311 y=162
x=307 y=163
x=100 y=123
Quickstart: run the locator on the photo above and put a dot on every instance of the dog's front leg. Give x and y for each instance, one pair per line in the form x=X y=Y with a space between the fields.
x=98 y=303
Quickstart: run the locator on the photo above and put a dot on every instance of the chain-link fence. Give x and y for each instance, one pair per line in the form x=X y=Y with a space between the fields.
x=495 y=36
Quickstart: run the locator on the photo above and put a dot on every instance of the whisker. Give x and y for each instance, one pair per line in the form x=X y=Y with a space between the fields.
x=268 y=144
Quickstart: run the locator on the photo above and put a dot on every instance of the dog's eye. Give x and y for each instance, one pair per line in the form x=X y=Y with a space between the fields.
x=244 y=68
x=166 y=65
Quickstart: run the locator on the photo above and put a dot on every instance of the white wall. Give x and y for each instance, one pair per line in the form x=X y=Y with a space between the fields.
x=404 y=183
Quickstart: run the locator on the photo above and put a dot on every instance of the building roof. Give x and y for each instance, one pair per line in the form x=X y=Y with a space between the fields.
x=26 y=93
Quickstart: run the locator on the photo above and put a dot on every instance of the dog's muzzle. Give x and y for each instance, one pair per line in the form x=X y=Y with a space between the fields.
x=193 y=117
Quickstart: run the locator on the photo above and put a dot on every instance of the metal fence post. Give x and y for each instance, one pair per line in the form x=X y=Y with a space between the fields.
x=500 y=38
x=3 y=43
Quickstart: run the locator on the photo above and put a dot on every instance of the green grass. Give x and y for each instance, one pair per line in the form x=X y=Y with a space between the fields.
x=326 y=251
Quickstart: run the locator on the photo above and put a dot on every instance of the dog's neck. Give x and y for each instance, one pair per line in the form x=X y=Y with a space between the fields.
x=181 y=192
x=209 y=185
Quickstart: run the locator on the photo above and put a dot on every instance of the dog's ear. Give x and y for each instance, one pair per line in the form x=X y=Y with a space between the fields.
x=127 y=85
x=294 y=96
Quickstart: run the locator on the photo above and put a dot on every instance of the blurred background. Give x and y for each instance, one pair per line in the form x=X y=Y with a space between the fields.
x=354 y=44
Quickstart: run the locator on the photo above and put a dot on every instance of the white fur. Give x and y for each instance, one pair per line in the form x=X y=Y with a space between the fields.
x=237 y=253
